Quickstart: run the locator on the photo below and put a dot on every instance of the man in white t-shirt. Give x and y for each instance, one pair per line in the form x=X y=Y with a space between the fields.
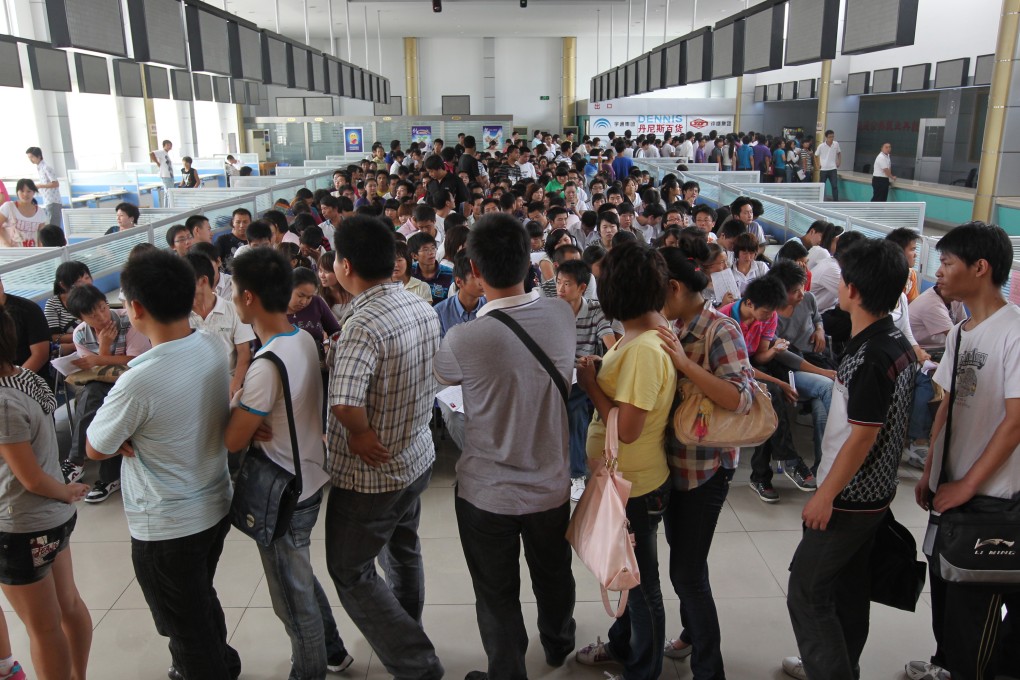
x=829 y=159
x=47 y=184
x=262 y=283
x=983 y=450
x=882 y=175
x=161 y=157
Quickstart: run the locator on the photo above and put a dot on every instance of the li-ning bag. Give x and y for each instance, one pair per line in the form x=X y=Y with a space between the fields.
x=699 y=421
x=599 y=532
x=979 y=541
x=265 y=494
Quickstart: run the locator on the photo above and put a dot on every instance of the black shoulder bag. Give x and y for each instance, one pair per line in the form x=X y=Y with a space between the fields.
x=979 y=541
x=265 y=494
x=533 y=347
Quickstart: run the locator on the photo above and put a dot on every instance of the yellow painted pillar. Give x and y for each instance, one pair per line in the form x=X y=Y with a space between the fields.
x=736 y=114
x=568 y=86
x=998 y=108
x=411 y=76
x=823 y=112
x=150 y=115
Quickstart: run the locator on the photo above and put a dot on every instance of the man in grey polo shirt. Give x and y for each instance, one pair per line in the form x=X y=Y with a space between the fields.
x=167 y=416
x=513 y=478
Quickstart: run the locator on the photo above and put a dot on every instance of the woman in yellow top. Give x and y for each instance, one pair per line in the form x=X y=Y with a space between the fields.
x=638 y=377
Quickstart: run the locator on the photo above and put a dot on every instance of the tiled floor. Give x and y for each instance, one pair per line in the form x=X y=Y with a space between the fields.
x=748 y=563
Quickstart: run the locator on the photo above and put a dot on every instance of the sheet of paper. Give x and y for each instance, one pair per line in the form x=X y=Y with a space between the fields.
x=723 y=282
x=452 y=396
x=64 y=365
x=929 y=366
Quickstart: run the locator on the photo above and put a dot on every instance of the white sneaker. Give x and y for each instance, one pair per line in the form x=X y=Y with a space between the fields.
x=576 y=488
x=916 y=455
x=922 y=670
x=794 y=667
x=673 y=652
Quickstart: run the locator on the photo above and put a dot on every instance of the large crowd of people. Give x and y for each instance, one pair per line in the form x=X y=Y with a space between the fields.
x=556 y=284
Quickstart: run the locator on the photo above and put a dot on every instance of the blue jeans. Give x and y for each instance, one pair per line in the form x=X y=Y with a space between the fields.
x=690 y=523
x=920 y=415
x=579 y=417
x=637 y=639
x=298 y=598
x=363 y=527
x=492 y=549
x=818 y=390
x=832 y=177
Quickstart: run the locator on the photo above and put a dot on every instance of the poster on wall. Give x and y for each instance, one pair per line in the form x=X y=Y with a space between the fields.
x=422 y=134
x=659 y=124
x=354 y=140
x=492 y=133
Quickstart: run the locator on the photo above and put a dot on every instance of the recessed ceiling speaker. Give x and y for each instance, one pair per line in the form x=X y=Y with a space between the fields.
x=524 y=3
x=437 y=6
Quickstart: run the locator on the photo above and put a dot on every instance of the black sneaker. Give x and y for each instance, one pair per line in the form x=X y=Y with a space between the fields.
x=174 y=674
x=340 y=664
x=477 y=675
x=800 y=474
x=72 y=471
x=101 y=491
x=765 y=492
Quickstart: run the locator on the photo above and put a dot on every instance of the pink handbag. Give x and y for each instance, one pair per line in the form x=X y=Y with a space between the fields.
x=598 y=530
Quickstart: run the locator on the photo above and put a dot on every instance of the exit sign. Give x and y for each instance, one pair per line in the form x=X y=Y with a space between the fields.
x=544 y=98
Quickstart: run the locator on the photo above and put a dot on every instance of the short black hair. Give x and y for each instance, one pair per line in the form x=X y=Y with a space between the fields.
x=622 y=237
x=575 y=269
x=434 y=162
x=202 y=266
x=791 y=250
x=847 y=241
x=790 y=273
x=634 y=280
x=745 y=243
x=259 y=230
x=192 y=222
x=302 y=276
x=767 y=292
x=818 y=226
x=559 y=256
x=84 y=299
x=173 y=231
x=878 y=269
x=461 y=266
x=975 y=241
x=732 y=228
x=311 y=237
x=704 y=208
x=207 y=249
x=593 y=254
x=266 y=274
x=244 y=211
x=67 y=275
x=129 y=209
x=51 y=236
x=500 y=249
x=903 y=237
x=368 y=244
x=162 y=283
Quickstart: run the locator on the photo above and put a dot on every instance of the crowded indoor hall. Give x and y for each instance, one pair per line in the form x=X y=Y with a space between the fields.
x=496 y=339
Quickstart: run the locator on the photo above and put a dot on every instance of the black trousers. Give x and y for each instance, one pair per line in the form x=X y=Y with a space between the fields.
x=972 y=641
x=492 y=545
x=176 y=577
x=879 y=189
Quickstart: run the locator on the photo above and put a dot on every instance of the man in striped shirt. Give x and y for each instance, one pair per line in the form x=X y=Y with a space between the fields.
x=380 y=450
x=166 y=416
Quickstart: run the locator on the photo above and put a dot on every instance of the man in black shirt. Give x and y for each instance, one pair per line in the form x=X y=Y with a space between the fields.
x=468 y=163
x=441 y=179
x=33 y=347
x=238 y=236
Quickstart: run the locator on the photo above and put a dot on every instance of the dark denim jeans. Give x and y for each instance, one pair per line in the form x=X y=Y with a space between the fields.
x=298 y=598
x=690 y=523
x=829 y=594
x=176 y=577
x=921 y=417
x=492 y=548
x=578 y=417
x=832 y=177
x=363 y=527
x=637 y=638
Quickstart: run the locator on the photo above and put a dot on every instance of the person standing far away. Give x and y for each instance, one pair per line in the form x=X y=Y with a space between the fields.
x=983 y=449
x=871 y=403
x=882 y=175
x=262 y=291
x=48 y=185
x=167 y=416
x=381 y=452
x=161 y=157
x=513 y=478
x=830 y=157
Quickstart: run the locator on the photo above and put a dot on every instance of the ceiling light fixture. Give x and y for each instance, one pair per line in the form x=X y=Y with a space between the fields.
x=524 y=4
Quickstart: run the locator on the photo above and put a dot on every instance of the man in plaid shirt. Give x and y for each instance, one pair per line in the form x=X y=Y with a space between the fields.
x=380 y=450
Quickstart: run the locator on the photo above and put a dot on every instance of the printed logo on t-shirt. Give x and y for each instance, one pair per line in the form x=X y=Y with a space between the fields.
x=971 y=362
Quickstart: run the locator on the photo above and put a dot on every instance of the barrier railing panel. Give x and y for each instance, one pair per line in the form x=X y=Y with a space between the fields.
x=32 y=277
x=186 y=199
x=790 y=192
x=910 y=215
x=16 y=254
x=86 y=223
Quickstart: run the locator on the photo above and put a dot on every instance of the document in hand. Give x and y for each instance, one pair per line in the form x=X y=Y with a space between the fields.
x=723 y=282
x=452 y=396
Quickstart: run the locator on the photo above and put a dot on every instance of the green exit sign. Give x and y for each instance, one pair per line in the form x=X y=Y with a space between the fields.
x=544 y=98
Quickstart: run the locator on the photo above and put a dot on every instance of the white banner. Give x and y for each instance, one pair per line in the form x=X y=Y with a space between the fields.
x=600 y=126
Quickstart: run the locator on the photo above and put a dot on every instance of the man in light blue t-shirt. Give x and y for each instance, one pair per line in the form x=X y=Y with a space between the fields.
x=167 y=416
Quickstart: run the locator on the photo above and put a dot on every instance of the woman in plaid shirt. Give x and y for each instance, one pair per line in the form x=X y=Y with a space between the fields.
x=701 y=476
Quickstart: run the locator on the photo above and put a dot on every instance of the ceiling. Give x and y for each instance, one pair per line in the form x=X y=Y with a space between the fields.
x=489 y=18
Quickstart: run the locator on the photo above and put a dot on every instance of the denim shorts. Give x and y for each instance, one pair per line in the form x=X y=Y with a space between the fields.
x=27 y=558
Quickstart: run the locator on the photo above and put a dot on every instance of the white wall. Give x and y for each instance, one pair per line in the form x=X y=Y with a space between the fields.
x=452 y=66
x=526 y=69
